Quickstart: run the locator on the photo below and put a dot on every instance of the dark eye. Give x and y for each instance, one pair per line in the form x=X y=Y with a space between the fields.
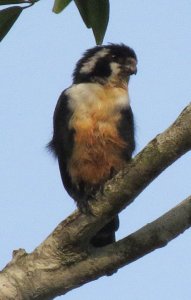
x=115 y=58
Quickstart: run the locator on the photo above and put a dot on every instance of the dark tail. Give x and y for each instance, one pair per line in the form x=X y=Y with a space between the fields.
x=107 y=234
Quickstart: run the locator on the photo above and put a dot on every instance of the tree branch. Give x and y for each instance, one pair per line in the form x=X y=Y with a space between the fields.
x=160 y=153
x=152 y=236
x=66 y=260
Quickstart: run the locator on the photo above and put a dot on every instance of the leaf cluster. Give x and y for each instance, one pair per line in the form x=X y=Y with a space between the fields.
x=94 y=13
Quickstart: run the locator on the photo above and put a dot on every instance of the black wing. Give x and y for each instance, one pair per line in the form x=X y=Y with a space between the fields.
x=127 y=132
x=62 y=141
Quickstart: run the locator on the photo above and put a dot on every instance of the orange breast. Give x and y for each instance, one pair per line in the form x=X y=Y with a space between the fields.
x=97 y=144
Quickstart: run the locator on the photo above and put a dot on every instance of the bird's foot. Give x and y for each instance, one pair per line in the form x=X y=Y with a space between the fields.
x=84 y=206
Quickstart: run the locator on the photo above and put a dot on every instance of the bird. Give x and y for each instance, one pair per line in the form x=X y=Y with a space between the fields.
x=93 y=127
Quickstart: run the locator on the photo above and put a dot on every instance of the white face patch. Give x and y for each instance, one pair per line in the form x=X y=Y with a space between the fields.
x=89 y=65
x=115 y=67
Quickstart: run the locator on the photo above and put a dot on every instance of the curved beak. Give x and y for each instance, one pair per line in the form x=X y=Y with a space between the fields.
x=131 y=66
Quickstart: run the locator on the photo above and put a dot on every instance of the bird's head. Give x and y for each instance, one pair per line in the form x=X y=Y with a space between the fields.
x=110 y=64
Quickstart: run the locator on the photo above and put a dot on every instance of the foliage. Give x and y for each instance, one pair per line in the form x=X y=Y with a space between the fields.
x=94 y=13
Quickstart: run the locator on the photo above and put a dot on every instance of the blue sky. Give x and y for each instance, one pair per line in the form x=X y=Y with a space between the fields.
x=37 y=58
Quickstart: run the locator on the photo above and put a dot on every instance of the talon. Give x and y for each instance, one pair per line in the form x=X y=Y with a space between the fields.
x=84 y=207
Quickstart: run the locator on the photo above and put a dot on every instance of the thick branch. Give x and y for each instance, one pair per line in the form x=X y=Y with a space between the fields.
x=65 y=259
x=152 y=236
x=40 y=279
x=161 y=152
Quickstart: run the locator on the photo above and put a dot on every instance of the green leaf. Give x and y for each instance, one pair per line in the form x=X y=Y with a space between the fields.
x=6 y=2
x=95 y=14
x=83 y=8
x=8 y=16
x=59 y=5
x=99 y=17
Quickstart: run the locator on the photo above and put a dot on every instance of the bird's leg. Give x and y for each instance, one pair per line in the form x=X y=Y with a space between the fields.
x=83 y=205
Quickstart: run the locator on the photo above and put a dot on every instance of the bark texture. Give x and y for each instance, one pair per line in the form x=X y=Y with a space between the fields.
x=66 y=260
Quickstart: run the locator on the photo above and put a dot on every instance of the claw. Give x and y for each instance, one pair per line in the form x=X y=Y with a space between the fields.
x=83 y=206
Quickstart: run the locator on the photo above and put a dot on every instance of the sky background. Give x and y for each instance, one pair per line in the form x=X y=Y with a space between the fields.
x=37 y=58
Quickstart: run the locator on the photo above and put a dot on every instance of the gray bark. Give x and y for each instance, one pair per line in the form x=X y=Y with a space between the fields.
x=66 y=260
